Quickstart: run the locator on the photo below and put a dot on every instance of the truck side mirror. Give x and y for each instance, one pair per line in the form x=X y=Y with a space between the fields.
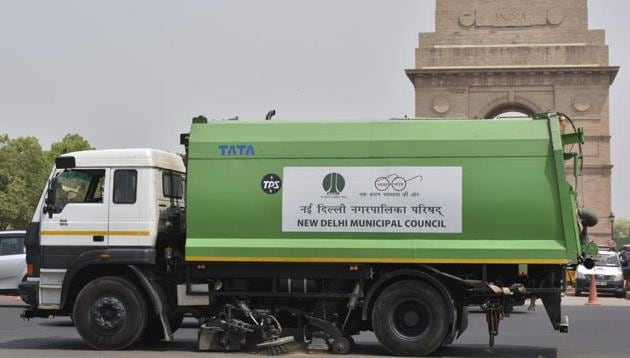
x=588 y=217
x=49 y=202
x=588 y=263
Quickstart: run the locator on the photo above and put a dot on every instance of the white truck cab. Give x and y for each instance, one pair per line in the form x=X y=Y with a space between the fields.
x=101 y=201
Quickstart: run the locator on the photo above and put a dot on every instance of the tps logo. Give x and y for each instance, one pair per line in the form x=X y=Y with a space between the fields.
x=333 y=183
x=236 y=149
x=271 y=183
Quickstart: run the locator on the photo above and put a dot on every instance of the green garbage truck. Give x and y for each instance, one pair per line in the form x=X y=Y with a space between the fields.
x=278 y=235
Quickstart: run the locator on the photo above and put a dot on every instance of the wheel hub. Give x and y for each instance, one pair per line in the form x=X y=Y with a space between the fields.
x=410 y=319
x=108 y=313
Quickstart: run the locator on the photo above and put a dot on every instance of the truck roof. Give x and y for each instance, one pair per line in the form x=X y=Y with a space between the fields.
x=136 y=157
x=411 y=138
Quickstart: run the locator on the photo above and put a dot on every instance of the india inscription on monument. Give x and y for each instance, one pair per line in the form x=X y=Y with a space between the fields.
x=511 y=17
x=488 y=57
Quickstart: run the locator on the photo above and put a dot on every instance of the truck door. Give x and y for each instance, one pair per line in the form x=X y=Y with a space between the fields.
x=128 y=223
x=80 y=214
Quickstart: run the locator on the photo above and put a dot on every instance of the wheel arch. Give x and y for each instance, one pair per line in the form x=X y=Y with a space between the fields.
x=97 y=263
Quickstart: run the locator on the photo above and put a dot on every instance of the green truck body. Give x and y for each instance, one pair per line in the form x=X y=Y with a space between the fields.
x=516 y=204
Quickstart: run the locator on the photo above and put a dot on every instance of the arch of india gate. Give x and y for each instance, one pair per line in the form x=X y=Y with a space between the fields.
x=489 y=57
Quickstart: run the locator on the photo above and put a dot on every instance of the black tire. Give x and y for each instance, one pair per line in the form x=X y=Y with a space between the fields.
x=155 y=331
x=110 y=313
x=410 y=318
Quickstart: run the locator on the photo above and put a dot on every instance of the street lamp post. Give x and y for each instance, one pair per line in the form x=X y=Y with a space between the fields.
x=611 y=220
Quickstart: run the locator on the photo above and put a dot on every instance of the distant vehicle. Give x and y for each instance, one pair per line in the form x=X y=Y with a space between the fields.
x=624 y=253
x=12 y=260
x=608 y=275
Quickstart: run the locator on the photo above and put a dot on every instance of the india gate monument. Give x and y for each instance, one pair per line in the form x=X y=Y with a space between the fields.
x=490 y=57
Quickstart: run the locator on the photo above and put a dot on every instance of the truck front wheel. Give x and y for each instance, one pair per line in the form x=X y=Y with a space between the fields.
x=110 y=313
x=410 y=318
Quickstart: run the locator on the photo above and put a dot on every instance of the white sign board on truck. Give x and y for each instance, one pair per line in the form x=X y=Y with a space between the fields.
x=372 y=199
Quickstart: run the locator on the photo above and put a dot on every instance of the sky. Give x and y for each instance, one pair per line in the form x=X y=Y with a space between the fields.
x=133 y=73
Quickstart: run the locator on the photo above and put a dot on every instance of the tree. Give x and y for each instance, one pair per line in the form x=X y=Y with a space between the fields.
x=24 y=169
x=22 y=177
x=622 y=232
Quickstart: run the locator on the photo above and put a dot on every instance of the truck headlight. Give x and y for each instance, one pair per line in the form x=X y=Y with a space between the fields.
x=619 y=277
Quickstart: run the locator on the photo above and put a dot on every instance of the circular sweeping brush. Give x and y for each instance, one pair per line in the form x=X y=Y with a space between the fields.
x=278 y=346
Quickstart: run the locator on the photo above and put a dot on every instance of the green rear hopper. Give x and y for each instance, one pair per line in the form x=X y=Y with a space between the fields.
x=516 y=203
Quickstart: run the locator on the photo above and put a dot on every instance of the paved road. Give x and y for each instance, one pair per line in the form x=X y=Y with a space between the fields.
x=595 y=332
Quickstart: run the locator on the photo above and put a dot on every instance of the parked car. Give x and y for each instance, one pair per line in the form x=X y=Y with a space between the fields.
x=12 y=261
x=608 y=275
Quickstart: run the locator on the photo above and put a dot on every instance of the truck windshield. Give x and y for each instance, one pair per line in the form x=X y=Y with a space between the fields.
x=607 y=261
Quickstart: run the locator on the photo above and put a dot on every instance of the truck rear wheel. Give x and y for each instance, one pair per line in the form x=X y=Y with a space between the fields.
x=410 y=318
x=110 y=313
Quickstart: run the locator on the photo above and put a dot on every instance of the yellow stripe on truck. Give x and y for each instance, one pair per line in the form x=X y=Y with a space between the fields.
x=375 y=260
x=93 y=233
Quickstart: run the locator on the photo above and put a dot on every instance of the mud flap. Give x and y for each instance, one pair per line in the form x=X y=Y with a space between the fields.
x=159 y=300
x=552 y=301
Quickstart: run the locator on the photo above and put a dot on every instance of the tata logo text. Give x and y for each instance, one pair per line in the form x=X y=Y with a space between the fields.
x=236 y=149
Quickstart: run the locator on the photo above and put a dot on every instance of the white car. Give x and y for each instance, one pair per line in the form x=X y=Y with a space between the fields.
x=12 y=260
x=608 y=275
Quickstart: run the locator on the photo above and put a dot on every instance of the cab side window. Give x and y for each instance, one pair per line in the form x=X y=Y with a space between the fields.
x=78 y=186
x=125 y=186
x=172 y=185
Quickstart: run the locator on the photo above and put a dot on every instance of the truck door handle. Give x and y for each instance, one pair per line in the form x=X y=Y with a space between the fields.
x=98 y=238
